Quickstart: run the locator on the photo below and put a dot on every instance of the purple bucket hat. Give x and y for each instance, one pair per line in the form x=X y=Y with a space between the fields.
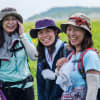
x=41 y=24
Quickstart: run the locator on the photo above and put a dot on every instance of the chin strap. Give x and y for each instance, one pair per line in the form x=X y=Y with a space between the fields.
x=92 y=86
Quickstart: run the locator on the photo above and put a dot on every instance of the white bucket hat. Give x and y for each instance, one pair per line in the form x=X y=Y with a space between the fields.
x=78 y=20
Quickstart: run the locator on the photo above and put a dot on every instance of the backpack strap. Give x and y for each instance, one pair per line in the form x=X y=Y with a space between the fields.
x=16 y=49
x=23 y=82
x=27 y=55
x=80 y=64
x=70 y=56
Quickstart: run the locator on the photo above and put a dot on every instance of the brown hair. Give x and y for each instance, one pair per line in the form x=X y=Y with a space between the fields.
x=86 y=43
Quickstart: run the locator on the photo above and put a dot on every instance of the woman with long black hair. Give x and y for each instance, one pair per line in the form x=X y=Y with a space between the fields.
x=15 y=48
x=50 y=49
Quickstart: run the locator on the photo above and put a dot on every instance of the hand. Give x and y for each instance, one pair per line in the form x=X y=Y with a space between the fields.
x=48 y=74
x=21 y=28
x=2 y=96
x=60 y=62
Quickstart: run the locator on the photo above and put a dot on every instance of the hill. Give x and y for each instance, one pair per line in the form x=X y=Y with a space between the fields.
x=61 y=13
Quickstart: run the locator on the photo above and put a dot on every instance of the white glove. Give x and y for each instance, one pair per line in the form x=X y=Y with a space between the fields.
x=63 y=81
x=57 y=72
x=48 y=74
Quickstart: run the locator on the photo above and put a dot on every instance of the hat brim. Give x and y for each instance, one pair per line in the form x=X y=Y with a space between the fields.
x=34 y=32
x=18 y=16
x=65 y=25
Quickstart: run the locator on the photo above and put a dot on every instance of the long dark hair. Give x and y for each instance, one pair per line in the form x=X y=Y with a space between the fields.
x=86 y=43
x=2 y=40
x=41 y=47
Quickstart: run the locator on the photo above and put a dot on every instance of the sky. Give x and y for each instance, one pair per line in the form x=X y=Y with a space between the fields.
x=27 y=8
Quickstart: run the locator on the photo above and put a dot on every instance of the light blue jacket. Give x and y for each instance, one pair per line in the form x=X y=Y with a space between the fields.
x=16 y=68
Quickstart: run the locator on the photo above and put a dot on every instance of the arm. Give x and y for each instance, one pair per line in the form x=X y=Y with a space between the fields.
x=91 y=63
x=60 y=62
x=29 y=47
x=2 y=96
x=92 y=79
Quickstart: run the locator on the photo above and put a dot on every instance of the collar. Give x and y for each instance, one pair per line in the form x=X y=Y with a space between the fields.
x=8 y=44
x=47 y=55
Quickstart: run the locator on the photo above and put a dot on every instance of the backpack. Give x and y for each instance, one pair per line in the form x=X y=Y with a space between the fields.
x=80 y=61
x=24 y=81
x=67 y=96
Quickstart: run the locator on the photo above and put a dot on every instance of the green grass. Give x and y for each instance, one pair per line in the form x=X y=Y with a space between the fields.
x=96 y=38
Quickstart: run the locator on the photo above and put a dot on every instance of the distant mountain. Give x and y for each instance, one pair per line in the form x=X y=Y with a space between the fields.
x=61 y=13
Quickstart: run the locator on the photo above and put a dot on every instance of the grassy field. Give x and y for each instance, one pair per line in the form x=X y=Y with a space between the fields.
x=96 y=38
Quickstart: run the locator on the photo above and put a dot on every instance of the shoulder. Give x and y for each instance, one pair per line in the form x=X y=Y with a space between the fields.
x=91 y=54
x=27 y=36
x=91 y=60
x=90 y=57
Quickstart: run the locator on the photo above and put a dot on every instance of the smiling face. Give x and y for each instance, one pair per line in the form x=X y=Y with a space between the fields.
x=75 y=35
x=46 y=36
x=9 y=24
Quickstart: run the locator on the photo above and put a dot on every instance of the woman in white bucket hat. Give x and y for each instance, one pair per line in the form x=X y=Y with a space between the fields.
x=86 y=63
